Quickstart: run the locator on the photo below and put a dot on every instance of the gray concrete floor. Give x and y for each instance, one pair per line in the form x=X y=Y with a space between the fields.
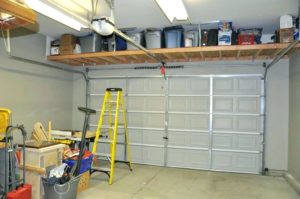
x=149 y=182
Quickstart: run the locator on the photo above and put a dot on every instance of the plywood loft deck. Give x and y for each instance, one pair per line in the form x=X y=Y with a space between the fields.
x=20 y=15
x=208 y=53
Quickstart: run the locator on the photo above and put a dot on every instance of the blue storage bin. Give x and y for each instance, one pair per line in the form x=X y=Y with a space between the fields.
x=86 y=163
x=173 y=37
x=121 y=43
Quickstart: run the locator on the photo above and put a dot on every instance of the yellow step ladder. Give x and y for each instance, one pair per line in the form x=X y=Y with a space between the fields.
x=108 y=132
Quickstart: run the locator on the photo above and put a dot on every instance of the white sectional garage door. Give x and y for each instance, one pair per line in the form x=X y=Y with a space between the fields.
x=204 y=122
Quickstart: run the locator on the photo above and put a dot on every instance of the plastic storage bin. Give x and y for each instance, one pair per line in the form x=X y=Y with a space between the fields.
x=91 y=43
x=191 y=38
x=153 y=38
x=86 y=162
x=121 y=43
x=173 y=37
x=137 y=37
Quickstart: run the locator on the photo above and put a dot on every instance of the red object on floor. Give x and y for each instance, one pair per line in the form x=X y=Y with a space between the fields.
x=23 y=192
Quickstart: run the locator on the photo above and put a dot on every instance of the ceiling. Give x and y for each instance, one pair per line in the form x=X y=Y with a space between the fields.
x=146 y=13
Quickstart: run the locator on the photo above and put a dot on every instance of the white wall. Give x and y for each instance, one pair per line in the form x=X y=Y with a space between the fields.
x=34 y=93
x=294 y=127
x=277 y=101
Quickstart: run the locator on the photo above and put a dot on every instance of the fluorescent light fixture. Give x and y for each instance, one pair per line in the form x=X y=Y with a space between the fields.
x=173 y=9
x=55 y=14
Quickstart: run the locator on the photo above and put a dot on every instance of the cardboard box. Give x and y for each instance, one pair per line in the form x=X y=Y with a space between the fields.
x=66 y=50
x=286 y=35
x=224 y=38
x=67 y=40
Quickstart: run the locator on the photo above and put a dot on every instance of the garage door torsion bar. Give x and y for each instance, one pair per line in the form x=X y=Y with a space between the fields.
x=280 y=56
x=173 y=76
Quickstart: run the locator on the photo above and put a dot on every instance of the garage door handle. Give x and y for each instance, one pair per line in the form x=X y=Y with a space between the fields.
x=166 y=138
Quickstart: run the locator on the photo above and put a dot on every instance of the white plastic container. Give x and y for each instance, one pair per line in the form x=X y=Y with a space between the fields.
x=191 y=38
x=286 y=21
x=137 y=38
x=153 y=39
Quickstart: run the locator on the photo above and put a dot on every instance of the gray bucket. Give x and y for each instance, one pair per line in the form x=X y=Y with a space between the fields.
x=64 y=191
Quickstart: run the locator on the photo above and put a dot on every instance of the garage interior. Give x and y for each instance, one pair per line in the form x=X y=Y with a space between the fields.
x=203 y=115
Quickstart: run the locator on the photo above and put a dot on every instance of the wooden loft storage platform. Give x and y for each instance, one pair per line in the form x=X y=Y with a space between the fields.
x=14 y=14
x=208 y=53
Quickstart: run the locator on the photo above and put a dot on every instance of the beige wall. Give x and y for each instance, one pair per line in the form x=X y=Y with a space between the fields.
x=277 y=101
x=294 y=124
x=34 y=93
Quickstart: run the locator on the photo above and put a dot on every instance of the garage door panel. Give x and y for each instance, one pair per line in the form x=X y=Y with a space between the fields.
x=248 y=105
x=153 y=155
x=147 y=155
x=223 y=104
x=248 y=123
x=146 y=86
x=223 y=123
x=223 y=85
x=249 y=85
x=146 y=120
x=96 y=102
x=146 y=137
x=237 y=162
x=237 y=142
x=189 y=104
x=224 y=135
x=237 y=86
x=189 y=86
x=146 y=103
x=137 y=154
x=194 y=122
x=237 y=123
x=99 y=86
x=186 y=158
x=188 y=139
x=245 y=105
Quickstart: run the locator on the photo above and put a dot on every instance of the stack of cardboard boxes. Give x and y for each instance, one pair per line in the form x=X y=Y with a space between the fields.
x=286 y=32
x=67 y=44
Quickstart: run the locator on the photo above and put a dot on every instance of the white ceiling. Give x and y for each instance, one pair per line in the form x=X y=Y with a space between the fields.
x=146 y=13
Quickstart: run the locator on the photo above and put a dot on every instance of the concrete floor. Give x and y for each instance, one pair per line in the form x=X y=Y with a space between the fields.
x=149 y=182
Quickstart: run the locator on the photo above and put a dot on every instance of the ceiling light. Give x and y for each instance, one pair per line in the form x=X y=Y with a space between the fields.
x=173 y=9
x=55 y=14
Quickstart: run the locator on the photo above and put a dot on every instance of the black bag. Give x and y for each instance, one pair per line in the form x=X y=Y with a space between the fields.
x=212 y=39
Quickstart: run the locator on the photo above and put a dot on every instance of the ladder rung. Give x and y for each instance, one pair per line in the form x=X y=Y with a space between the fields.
x=107 y=114
x=102 y=154
x=105 y=141
x=107 y=127
x=120 y=111
x=112 y=101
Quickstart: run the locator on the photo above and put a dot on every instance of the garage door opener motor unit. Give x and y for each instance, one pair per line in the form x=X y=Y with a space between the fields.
x=108 y=133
